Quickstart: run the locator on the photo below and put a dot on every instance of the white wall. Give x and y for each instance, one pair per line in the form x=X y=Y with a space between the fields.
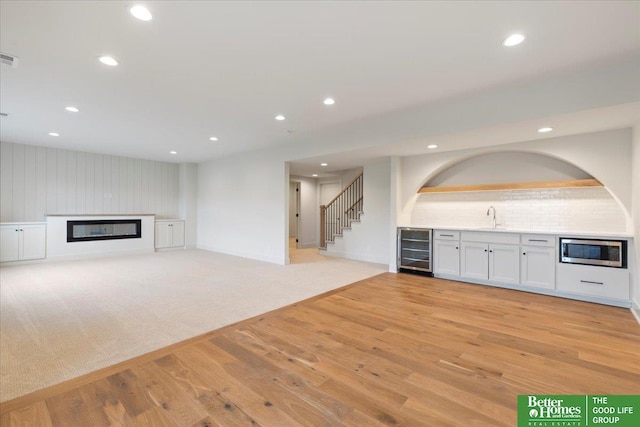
x=309 y=212
x=36 y=181
x=188 y=201
x=242 y=206
x=369 y=239
x=635 y=180
x=507 y=167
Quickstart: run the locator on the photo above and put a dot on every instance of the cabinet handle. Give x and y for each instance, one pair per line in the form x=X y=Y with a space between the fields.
x=446 y=235
x=538 y=240
x=21 y=229
x=490 y=251
x=592 y=283
x=456 y=247
x=524 y=253
x=485 y=250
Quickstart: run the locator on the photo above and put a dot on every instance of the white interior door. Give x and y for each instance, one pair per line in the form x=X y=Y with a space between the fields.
x=293 y=210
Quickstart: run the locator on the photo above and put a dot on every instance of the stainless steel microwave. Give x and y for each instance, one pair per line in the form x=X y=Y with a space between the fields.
x=608 y=253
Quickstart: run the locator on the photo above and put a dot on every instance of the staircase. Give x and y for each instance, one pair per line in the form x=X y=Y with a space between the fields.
x=341 y=212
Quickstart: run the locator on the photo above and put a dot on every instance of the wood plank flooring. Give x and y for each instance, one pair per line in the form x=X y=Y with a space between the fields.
x=396 y=349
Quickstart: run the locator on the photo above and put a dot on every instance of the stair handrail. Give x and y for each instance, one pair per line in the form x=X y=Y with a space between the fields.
x=332 y=211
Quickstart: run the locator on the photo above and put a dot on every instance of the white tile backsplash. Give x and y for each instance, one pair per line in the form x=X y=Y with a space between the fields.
x=566 y=209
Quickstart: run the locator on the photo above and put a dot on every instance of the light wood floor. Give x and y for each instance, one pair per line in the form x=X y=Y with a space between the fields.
x=390 y=350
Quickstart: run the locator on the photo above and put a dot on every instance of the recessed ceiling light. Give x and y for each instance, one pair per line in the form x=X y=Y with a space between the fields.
x=545 y=130
x=141 y=12
x=324 y=164
x=72 y=109
x=432 y=146
x=280 y=117
x=173 y=152
x=108 y=60
x=513 y=40
x=54 y=134
x=213 y=138
x=314 y=175
x=329 y=101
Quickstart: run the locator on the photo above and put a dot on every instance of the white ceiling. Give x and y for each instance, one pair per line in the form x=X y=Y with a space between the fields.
x=225 y=69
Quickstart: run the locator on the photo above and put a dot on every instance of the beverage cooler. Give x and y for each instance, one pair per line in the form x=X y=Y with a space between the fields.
x=414 y=249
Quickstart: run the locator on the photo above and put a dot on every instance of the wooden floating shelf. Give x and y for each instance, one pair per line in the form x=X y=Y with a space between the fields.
x=540 y=185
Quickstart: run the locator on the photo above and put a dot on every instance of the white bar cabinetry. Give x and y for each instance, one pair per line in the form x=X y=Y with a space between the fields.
x=538 y=261
x=446 y=252
x=526 y=262
x=490 y=257
x=596 y=281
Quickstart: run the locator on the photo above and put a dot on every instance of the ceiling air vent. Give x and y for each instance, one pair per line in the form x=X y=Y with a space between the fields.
x=9 y=60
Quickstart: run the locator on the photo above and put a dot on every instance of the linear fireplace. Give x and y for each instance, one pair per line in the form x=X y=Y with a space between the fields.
x=109 y=229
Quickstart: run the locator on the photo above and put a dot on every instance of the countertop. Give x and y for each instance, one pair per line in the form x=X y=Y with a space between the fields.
x=596 y=234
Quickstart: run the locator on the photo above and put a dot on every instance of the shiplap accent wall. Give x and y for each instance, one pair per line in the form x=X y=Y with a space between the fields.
x=36 y=181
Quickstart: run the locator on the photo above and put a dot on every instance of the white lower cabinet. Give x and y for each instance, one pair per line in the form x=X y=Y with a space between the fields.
x=527 y=262
x=169 y=234
x=587 y=280
x=446 y=257
x=538 y=267
x=20 y=242
x=504 y=264
x=474 y=260
x=489 y=261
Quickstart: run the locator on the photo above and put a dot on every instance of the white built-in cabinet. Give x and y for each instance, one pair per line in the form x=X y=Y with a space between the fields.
x=22 y=241
x=446 y=252
x=490 y=256
x=526 y=262
x=602 y=282
x=169 y=234
x=538 y=261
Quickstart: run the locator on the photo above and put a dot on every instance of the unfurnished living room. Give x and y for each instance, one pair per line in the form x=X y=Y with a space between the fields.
x=283 y=213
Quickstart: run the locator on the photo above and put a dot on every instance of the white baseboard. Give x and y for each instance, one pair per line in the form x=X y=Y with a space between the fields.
x=635 y=309
x=257 y=257
x=356 y=257
x=99 y=254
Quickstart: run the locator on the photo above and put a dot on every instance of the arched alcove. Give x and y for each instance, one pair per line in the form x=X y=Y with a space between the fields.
x=543 y=209
x=506 y=167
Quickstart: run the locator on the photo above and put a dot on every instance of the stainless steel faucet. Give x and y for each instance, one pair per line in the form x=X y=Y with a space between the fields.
x=493 y=217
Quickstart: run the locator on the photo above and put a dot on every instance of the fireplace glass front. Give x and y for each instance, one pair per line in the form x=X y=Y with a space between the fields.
x=83 y=231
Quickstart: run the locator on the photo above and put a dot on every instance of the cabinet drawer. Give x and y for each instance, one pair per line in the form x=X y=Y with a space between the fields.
x=538 y=240
x=594 y=281
x=446 y=235
x=491 y=237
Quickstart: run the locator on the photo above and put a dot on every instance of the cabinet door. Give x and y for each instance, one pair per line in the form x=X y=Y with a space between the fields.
x=538 y=267
x=504 y=264
x=446 y=257
x=33 y=241
x=177 y=234
x=163 y=235
x=9 y=243
x=474 y=260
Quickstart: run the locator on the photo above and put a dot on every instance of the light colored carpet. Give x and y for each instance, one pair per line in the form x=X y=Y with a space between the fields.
x=60 y=320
